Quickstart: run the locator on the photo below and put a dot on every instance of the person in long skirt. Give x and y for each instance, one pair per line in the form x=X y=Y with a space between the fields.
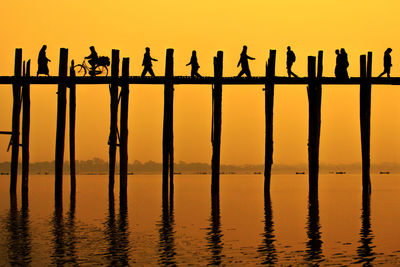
x=43 y=61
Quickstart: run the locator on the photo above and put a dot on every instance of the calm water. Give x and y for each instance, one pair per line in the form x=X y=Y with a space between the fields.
x=241 y=227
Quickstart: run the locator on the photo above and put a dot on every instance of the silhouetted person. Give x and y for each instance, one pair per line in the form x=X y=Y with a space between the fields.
x=387 y=63
x=344 y=63
x=42 y=62
x=195 y=65
x=244 y=61
x=93 y=59
x=337 y=67
x=290 y=59
x=147 y=63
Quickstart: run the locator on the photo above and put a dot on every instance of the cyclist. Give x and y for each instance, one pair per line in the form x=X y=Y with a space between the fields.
x=93 y=59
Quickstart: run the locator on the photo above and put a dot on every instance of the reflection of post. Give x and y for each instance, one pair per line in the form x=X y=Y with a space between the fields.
x=123 y=234
x=364 y=251
x=214 y=236
x=314 y=243
x=59 y=250
x=111 y=232
x=19 y=240
x=216 y=123
x=70 y=231
x=166 y=233
x=267 y=249
x=269 y=115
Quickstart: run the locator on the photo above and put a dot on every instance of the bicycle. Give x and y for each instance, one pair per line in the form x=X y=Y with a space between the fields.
x=82 y=69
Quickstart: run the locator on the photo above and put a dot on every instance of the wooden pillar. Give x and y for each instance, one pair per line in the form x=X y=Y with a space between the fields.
x=26 y=114
x=123 y=149
x=112 y=141
x=15 y=120
x=61 y=114
x=269 y=110
x=72 y=116
x=365 y=118
x=168 y=160
x=314 y=91
x=216 y=122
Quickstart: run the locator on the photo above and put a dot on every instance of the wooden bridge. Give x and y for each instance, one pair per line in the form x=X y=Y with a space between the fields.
x=22 y=80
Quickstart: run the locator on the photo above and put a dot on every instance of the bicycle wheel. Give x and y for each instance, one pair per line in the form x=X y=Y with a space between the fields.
x=80 y=70
x=101 y=71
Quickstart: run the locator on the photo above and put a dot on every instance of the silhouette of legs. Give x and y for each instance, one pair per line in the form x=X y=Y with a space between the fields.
x=385 y=72
x=290 y=72
x=244 y=71
x=195 y=73
x=149 y=70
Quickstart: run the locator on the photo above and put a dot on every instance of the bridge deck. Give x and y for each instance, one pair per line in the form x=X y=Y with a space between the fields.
x=257 y=80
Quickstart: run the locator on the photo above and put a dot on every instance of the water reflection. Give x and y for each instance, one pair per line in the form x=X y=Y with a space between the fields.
x=64 y=235
x=117 y=233
x=214 y=235
x=365 y=254
x=314 y=244
x=20 y=241
x=267 y=249
x=166 y=231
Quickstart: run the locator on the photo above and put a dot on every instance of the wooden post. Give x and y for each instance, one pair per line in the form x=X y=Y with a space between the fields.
x=365 y=118
x=168 y=161
x=314 y=91
x=269 y=110
x=112 y=141
x=123 y=149
x=15 y=120
x=26 y=114
x=60 y=135
x=72 y=116
x=216 y=122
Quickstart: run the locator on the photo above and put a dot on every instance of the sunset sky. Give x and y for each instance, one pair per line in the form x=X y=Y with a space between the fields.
x=208 y=26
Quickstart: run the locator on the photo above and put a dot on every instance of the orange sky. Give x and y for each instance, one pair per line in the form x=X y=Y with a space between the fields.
x=209 y=26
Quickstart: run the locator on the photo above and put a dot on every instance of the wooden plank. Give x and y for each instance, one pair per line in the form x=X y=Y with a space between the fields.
x=269 y=110
x=216 y=121
x=60 y=134
x=72 y=118
x=26 y=114
x=112 y=141
x=15 y=121
x=123 y=149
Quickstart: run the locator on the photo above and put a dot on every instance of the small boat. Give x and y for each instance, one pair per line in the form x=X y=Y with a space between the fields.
x=384 y=172
x=340 y=172
x=300 y=172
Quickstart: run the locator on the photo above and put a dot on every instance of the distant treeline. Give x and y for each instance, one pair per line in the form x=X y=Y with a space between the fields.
x=99 y=166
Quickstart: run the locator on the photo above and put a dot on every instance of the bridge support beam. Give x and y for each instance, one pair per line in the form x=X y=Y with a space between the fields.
x=269 y=115
x=314 y=91
x=26 y=117
x=216 y=123
x=72 y=117
x=123 y=149
x=60 y=134
x=365 y=119
x=168 y=132
x=15 y=121
x=112 y=139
